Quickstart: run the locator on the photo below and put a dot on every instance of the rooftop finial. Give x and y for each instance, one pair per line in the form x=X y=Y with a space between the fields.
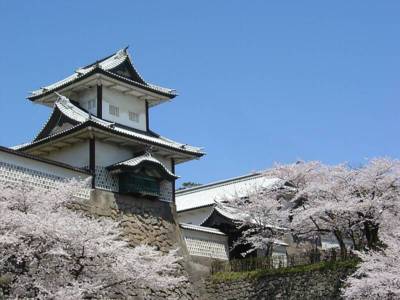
x=122 y=52
x=62 y=99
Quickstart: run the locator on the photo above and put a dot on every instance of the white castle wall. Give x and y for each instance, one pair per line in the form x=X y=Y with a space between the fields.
x=126 y=104
x=16 y=168
x=165 y=161
x=76 y=155
x=85 y=96
x=206 y=244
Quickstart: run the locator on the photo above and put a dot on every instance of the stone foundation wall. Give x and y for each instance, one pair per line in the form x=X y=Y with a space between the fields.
x=309 y=285
x=144 y=221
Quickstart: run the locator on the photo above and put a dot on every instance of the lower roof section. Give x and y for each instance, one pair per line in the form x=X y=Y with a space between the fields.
x=201 y=228
x=212 y=193
x=83 y=125
x=141 y=161
x=50 y=163
x=90 y=129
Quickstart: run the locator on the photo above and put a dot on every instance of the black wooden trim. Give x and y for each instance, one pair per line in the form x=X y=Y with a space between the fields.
x=147 y=116
x=93 y=124
x=169 y=95
x=99 y=101
x=148 y=164
x=174 y=182
x=92 y=159
x=197 y=207
x=134 y=75
x=57 y=117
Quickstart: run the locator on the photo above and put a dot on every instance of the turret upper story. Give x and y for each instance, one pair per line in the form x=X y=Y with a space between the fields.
x=105 y=103
x=110 y=89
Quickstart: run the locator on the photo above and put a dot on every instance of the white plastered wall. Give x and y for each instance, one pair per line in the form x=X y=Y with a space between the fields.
x=76 y=155
x=165 y=161
x=15 y=168
x=206 y=244
x=85 y=96
x=108 y=154
x=126 y=104
x=39 y=166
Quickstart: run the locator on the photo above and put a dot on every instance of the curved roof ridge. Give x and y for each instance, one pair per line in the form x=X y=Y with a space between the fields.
x=82 y=117
x=220 y=183
x=107 y=65
x=102 y=60
x=222 y=191
x=201 y=228
x=147 y=157
x=72 y=111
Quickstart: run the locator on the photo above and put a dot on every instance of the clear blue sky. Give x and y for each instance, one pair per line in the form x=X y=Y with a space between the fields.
x=259 y=81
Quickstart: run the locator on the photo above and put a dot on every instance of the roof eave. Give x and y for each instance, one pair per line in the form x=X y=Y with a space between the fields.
x=91 y=124
x=128 y=168
x=196 y=207
x=98 y=70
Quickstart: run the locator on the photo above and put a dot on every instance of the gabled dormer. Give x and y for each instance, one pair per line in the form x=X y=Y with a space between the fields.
x=111 y=89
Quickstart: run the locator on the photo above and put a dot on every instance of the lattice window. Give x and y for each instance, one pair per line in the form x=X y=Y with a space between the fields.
x=279 y=260
x=109 y=182
x=208 y=246
x=134 y=117
x=14 y=173
x=105 y=180
x=166 y=191
x=114 y=110
x=91 y=104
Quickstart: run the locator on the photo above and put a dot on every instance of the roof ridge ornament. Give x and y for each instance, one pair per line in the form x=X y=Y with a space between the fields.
x=62 y=99
x=80 y=71
x=122 y=52
x=147 y=154
x=148 y=150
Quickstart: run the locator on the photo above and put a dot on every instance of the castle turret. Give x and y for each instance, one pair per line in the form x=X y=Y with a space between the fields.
x=100 y=122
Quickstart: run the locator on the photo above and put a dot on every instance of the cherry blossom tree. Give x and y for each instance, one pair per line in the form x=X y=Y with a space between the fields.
x=260 y=216
x=53 y=252
x=360 y=204
x=378 y=276
x=340 y=200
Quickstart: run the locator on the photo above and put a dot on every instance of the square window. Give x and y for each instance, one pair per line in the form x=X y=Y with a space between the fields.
x=134 y=116
x=114 y=110
x=91 y=104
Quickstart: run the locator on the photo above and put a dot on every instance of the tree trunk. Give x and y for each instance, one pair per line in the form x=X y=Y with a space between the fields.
x=343 y=249
x=371 y=234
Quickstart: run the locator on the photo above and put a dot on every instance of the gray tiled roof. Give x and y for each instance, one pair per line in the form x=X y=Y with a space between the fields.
x=201 y=228
x=106 y=66
x=133 y=162
x=212 y=193
x=82 y=117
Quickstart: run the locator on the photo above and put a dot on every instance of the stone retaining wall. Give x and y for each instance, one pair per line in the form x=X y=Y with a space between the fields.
x=308 y=285
x=144 y=221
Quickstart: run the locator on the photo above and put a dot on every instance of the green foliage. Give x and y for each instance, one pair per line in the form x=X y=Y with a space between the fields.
x=189 y=184
x=5 y=281
x=321 y=266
